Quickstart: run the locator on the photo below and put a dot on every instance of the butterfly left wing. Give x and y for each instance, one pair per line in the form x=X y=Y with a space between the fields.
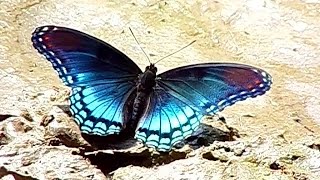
x=101 y=77
x=183 y=95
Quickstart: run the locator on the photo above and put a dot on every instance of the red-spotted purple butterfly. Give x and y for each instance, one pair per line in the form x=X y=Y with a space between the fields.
x=111 y=94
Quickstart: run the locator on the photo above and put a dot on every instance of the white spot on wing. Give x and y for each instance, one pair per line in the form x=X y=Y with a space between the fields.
x=40 y=33
x=64 y=70
x=264 y=80
x=45 y=28
x=232 y=96
x=69 y=79
x=51 y=53
x=255 y=70
x=220 y=103
x=58 y=60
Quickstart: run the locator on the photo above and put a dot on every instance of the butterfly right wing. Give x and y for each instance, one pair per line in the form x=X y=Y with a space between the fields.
x=98 y=109
x=101 y=77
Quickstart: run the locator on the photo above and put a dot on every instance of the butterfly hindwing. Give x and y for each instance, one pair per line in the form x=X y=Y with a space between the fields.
x=101 y=77
x=99 y=109
x=183 y=95
x=168 y=120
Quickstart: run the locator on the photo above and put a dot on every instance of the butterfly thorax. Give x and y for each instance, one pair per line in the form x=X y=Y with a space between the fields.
x=146 y=81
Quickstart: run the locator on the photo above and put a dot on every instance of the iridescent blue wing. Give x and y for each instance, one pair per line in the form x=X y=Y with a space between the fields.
x=168 y=119
x=183 y=95
x=101 y=77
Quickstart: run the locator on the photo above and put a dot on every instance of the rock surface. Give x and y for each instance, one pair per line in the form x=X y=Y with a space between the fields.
x=275 y=136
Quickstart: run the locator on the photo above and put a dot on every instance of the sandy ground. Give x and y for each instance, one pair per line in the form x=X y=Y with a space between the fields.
x=279 y=133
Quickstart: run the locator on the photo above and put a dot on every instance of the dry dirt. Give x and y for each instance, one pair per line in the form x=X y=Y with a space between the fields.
x=278 y=134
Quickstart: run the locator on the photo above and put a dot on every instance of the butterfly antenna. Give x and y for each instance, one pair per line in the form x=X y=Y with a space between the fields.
x=139 y=45
x=176 y=51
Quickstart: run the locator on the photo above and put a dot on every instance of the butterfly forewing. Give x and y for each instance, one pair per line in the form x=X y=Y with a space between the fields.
x=213 y=86
x=101 y=77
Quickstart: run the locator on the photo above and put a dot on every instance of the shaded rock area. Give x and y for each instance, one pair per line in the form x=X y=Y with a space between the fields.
x=275 y=136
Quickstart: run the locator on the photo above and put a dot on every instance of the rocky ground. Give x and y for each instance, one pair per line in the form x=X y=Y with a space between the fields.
x=275 y=136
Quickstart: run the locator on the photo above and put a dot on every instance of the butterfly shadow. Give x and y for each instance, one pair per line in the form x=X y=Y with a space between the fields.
x=111 y=152
x=123 y=152
x=207 y=134
x=204 y=136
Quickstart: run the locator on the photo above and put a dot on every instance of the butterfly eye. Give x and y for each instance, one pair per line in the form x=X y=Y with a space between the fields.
x=153 y=68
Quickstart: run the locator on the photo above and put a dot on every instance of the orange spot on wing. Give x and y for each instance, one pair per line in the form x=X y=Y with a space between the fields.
x=250 y=86
x=49 y=45
x=257 y=81
x=46 y=38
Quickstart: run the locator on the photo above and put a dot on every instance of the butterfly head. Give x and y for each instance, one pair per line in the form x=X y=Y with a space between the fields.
x=151 y=68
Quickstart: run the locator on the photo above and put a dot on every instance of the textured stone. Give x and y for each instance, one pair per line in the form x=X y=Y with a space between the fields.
x=275 y=136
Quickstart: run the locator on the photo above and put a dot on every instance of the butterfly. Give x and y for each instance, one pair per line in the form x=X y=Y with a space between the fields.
x=111 y=94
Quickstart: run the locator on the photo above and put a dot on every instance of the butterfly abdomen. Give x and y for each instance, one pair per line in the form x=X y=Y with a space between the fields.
x=139 y=106
x=145 y=84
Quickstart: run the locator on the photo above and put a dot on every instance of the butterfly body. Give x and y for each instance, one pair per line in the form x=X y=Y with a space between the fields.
x=144 y=86
x=110 y=94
